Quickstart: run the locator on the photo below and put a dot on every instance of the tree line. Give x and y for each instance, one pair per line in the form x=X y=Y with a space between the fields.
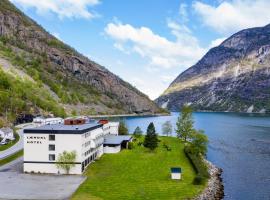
x=196 y=141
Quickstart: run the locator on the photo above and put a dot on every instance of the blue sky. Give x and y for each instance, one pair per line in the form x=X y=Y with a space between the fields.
x=146 y=42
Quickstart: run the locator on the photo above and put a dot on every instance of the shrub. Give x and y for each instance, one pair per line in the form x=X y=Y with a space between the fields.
x=198 y=165
x=123 y=130
x=131 y=145
x=198 y=180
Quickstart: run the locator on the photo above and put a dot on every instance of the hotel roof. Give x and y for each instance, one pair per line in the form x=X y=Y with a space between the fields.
x=116 y=139
x=64 y=129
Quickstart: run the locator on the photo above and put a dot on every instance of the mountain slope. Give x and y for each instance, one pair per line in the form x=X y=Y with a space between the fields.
x=76 y=83
x=235 y=76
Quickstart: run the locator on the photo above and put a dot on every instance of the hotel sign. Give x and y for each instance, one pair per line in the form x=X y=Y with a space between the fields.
x=35 y=139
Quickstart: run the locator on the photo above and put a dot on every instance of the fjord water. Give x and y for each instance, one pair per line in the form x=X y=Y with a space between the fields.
x=239 y=144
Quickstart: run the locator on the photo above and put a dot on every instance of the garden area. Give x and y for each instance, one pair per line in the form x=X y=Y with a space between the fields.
x=139 y=173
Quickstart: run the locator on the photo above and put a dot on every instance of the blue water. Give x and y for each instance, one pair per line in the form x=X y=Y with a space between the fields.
x=239 y=144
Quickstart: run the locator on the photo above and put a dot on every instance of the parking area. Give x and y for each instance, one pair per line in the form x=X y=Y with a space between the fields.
x=17 y=185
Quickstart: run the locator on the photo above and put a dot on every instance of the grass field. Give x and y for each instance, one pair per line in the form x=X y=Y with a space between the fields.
x=139 y=174
x=11 y=158
x=11 y=143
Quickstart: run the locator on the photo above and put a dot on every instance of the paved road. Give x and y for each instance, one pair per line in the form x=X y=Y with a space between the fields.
x=19 y=145
x=16 y=185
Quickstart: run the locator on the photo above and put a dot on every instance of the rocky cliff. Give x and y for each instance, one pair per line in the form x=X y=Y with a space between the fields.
x=75 y=82
x=235 y=76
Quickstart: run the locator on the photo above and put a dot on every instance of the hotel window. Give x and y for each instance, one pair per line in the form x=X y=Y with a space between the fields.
x=51 y=157
x=52 y=137
x=51 y=147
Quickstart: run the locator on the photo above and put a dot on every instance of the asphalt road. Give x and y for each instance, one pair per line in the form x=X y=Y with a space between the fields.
x=19 y=145
x=16 y=185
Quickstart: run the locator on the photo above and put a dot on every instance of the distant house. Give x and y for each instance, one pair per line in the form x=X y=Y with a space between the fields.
x=48 y=121
x=176 y=173
x=6 y=133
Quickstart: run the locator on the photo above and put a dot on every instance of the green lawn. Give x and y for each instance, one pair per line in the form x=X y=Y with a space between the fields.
x=138 y=174
x=11 y=158
x=11 y=143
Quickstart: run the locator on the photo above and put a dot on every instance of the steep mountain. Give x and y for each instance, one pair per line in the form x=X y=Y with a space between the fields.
x=71 y=80
x=235 y=76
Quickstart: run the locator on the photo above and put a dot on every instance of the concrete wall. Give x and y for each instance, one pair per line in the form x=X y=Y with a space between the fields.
x=114 y=126
x=49 y=168
x=115 y=149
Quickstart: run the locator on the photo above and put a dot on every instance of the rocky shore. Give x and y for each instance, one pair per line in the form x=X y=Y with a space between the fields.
x=215 y=188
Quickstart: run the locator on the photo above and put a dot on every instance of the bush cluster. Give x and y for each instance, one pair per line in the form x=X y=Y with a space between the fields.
x=198 y=165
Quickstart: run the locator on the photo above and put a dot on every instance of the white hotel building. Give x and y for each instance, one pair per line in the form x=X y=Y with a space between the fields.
x=43 y=144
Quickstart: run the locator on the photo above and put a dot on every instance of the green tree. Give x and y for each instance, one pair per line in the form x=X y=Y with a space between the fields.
x=167 y=128
x=184 y=124
x=137 y=132
x=199 y=143
x=66 y=160
x=151 y=139
x=123 y=130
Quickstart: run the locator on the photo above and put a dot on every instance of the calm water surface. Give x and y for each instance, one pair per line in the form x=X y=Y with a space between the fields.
x=239 y=144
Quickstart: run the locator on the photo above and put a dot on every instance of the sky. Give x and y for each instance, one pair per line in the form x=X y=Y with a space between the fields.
x=146 y=42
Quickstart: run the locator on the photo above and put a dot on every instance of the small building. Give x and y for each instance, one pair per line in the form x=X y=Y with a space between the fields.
x=74 y=121
x=48 y=121
x=6 y=133
x=114 y=143
x=176 y=173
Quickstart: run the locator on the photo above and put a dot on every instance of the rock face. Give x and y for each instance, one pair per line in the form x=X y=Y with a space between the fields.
x=235 y=76
x=214 y=189
x=28 y=40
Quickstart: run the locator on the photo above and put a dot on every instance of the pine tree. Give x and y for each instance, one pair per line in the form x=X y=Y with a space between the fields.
x=137 y=132
x=123 y=130
x=151 y=140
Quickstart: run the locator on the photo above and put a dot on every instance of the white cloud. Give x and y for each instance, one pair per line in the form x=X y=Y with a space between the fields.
x=183 y=12
x=159 y=51
x=167 y=79
x=62 y=8
x=57 y=35
x=216 y=42
x=232 y=16
x=120 y=47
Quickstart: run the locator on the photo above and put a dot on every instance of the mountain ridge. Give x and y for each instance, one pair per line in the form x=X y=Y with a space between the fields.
x=82 y=85
x=231 y=77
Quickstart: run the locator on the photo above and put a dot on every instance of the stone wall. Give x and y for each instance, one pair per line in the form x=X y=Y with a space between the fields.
x=215 y=188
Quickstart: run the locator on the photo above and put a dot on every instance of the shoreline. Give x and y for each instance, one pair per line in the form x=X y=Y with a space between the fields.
x=129 y=115
x=214 y=189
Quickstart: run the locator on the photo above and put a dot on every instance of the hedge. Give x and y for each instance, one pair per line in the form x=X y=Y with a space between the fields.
x=198 y=165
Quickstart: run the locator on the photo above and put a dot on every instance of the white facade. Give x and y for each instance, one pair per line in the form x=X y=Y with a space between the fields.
x=111 y=128
x=112 y=149
x=176 y=176
x=47 y=121
x=39 y=147
x=43 y=145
